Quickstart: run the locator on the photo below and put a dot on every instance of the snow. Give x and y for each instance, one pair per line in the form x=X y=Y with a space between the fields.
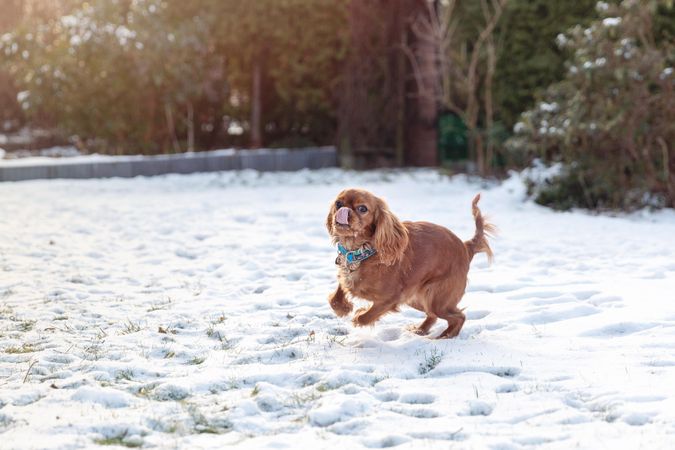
x=33 y=157
x=602 y=6
x=70 y=155
x=191 y=312
x=108 y=397
x=611 y=21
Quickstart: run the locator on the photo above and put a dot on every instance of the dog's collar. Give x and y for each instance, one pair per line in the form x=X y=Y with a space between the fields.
x=356 y=256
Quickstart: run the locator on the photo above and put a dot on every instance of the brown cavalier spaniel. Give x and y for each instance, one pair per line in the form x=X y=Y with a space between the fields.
x=390 y=263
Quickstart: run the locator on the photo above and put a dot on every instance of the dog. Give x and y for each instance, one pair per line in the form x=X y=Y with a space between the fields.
x=392 y=263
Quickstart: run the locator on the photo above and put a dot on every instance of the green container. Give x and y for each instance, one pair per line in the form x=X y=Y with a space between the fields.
x=453 y=142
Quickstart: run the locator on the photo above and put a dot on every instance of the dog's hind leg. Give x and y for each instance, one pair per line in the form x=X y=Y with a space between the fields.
x=455 y=318
x=423 y=328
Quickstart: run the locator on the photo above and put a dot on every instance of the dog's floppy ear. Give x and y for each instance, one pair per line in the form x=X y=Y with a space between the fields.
x=390 y=237
x=329 y=224
x=329 y=221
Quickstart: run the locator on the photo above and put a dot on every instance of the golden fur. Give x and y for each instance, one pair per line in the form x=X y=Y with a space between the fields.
x=419 y=264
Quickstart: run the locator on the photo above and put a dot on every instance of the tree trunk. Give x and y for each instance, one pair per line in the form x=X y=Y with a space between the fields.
x=480 y=151
x=489 y=105
x=423 y=134
x=471 y=121
x=171 y=127
x=400 y=99
x=256 y=105
x=190 y=127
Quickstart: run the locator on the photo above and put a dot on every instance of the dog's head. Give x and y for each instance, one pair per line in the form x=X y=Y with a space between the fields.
x=360 y=217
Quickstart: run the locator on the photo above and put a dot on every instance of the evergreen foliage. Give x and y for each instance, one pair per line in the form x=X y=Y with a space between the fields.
x=611 y=121
x=529 y=59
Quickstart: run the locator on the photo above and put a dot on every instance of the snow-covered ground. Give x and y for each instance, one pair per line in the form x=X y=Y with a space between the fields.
x=69 y=155
x=191 y=312
x=49 y=155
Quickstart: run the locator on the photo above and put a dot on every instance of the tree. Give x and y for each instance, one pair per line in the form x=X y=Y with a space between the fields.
x=156 y=76
x=467 y=61
x=422 y=49
x=388 y=106
x=528 y=59
x=373 y=111
x=14 y=13
x=282 y=60
x=611 y=121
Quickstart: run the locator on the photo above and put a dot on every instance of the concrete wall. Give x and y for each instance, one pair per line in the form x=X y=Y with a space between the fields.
x=130 y=166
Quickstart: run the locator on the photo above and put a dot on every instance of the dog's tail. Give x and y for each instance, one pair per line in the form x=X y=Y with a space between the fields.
x=479 y=242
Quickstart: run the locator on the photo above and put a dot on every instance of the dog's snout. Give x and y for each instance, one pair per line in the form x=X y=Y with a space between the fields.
x=342 y=216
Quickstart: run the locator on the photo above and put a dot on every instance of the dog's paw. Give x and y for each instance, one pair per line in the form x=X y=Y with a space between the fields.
x=341 y=307
x=417 y=330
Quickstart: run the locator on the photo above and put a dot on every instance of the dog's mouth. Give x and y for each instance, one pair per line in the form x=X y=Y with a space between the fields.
x=341 y=226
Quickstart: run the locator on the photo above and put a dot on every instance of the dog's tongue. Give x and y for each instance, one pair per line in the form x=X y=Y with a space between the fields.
x=342 y=216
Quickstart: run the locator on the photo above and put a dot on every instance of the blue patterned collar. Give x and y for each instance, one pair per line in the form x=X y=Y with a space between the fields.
x=356 y=256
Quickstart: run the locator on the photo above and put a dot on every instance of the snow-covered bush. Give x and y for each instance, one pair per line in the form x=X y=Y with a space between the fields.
x=109 y=70
x=611 y=120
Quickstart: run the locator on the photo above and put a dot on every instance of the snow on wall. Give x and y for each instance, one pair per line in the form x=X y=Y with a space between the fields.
x=100 y=166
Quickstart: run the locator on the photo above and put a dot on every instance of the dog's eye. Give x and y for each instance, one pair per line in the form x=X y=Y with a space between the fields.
x=362 y=209
x=339 y=204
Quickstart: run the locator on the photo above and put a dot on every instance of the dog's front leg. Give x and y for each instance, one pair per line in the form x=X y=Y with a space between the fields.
x=368 y=316
x=340 y=303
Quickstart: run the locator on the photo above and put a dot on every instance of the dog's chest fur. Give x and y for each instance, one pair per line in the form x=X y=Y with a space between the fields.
x=349 y=279
x=368 y=281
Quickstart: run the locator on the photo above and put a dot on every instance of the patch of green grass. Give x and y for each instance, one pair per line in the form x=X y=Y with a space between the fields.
x=166 y=330
x=431 y=360
x=225 y=343
x=233 y=383
x=336 y=339
x=117 y=440
x=146 y=390
x=160 y=305
x=171 y=427
x=25 y=348
x=6 y=311
x=93 y=352
x=26 y=325
x=126 y=374
x=169 y=354
x=300 y=399
x=197 y=360
x=323 y=387
x=131 y=327
x=203 y=425
x=255 y=391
